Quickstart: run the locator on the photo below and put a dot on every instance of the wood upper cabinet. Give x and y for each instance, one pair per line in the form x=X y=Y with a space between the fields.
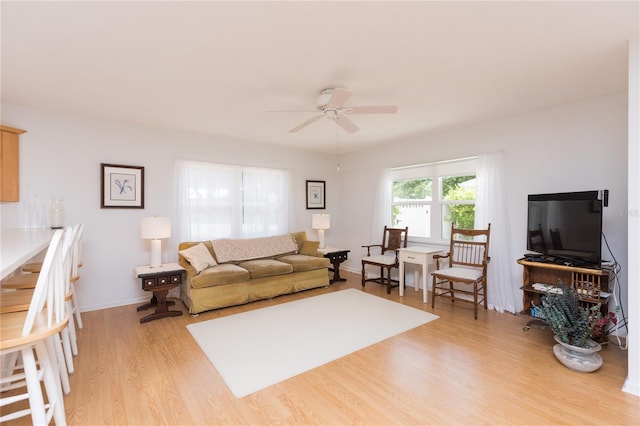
x=9 y=163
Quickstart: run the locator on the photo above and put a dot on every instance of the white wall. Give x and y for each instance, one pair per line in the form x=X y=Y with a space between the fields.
x=574 y=147
x=60 y=156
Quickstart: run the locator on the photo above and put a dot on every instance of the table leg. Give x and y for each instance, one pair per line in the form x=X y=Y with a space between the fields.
x=336 y=258
x=159 y=300
x=153 y=303
x=336 y=271
x=401 y=278
x=425 y=293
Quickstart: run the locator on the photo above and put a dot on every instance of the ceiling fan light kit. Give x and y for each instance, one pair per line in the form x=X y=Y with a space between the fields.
x=331 y=104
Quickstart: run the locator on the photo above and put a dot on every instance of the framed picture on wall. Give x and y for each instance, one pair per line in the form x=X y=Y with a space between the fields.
x=121 y=187
x=316 y=194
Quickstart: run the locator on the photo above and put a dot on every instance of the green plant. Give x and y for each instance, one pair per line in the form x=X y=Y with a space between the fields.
x=568 y=319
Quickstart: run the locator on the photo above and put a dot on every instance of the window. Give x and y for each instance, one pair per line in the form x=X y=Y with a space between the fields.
x=226 y=201
x=429 y=198
x=411 y=205
x=457 y=201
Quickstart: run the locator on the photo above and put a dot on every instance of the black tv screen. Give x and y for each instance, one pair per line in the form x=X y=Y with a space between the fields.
x=566 y=227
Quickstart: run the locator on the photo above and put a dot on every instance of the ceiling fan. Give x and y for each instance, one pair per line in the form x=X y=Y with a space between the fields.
x=331 y=104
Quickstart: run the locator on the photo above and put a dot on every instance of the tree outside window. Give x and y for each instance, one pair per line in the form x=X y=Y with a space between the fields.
x=429 y=205
x=458 y=203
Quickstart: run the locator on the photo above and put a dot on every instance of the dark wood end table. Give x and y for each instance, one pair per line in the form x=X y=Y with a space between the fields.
x=159 y=280
x=336 y=257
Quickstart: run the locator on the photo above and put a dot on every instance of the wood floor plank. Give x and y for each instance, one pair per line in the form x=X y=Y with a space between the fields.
x=454 y=370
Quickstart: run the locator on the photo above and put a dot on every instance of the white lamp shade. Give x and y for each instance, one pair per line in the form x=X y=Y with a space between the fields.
x=155 y=228
x=320 y=221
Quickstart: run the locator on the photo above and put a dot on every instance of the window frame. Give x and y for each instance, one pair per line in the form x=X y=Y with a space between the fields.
x=436 y=172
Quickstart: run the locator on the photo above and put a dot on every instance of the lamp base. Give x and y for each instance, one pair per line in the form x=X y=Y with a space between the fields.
x=156 y=254
x=321 y=238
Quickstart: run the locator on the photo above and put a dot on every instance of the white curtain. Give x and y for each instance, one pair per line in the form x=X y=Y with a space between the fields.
x=226 y=201
x=265 y=202
x=382 y=207
x=503 y=288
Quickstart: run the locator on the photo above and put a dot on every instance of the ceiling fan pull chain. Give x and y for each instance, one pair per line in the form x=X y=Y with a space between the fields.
x=337 y=147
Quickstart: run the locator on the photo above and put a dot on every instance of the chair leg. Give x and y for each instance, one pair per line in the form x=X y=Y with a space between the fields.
x=51 y=384
x=475 y=300
x=389 y=281
x=73 y=337
x=36 y=400
x=363 y=274
x=484 y=294
x=56 y=356
x=66 y=348
x=433 y=292
x=76 y=307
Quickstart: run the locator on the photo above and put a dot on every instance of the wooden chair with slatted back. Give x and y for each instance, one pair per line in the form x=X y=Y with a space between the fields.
x=387 y=257
x=465 y=264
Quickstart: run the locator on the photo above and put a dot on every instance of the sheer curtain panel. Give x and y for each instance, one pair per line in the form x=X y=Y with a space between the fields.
x=503 y=284
x=228 y=201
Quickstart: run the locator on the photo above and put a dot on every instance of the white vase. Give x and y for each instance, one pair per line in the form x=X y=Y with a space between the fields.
x=584 y=360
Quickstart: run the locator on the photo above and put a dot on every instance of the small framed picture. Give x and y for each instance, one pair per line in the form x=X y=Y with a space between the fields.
x=316 y=194
x=121 y=187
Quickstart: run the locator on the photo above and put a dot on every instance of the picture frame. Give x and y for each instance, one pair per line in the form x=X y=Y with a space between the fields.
x=121 y=187
x=316 y=194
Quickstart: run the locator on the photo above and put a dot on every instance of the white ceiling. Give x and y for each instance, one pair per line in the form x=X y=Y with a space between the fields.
x=221 y=67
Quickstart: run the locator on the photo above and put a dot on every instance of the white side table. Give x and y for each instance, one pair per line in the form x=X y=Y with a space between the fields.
x=419 y=256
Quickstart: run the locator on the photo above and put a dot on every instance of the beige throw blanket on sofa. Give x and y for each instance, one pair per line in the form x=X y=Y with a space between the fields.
x=228 y=250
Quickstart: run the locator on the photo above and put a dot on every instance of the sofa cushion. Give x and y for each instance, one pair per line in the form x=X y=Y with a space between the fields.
x=259 y=268
x=199 y=257
x=220 y=274
x=230 y=250
x=301 y=262
x=300 y=237
x=309 y=248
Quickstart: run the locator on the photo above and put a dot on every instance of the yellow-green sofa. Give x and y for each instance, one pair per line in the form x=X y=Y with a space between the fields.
x=246 y=270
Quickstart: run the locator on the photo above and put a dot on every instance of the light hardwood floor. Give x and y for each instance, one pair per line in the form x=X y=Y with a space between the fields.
x=450 y=371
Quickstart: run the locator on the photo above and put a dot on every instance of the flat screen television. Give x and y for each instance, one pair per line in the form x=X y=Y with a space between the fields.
x=566 y=227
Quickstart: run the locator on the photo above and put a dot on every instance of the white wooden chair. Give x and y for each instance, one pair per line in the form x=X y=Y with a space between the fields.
x=68 y=338
x=68 y=334
x=71 y=266
x=75 y=274
x=26 y=281
x=32 y=337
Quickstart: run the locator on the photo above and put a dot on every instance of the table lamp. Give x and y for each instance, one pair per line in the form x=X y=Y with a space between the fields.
x=155 y=228
x=321 y=222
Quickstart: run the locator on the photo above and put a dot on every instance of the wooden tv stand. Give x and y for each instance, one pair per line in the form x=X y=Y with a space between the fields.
x=592 y=284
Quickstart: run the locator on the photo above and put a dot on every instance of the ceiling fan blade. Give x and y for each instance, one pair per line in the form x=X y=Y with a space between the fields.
x=338 y=97
x=379 y=109
x=346 y=124
x=306 y=123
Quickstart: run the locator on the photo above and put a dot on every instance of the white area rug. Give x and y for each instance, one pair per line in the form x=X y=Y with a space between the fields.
x=256 y=349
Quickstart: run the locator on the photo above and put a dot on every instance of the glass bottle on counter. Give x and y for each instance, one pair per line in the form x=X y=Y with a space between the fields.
x=56 y=213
